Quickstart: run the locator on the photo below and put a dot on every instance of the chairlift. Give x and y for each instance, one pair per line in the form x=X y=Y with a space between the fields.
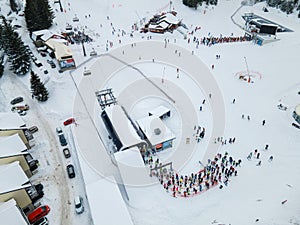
x=93 y=53
x=87 y=73
x=69 y=27
x=75 y=19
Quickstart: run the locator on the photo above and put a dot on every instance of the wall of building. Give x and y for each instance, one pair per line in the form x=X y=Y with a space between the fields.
x=21 y=197
x=22 y=161
x=17 y=131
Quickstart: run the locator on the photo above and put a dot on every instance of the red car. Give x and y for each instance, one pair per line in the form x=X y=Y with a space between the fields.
x=69 y=121
x=38 y=213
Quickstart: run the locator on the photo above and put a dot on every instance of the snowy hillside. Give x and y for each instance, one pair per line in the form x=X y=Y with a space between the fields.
x=256 y=194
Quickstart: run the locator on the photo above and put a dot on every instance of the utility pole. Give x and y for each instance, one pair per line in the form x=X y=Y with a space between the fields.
x=61 y=8
x=83 y=48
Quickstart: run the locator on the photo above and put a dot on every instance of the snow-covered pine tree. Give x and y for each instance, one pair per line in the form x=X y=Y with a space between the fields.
x=38 y=15
x=38 y=89
x=34 y=81
x=14 y=48
x=13 y=5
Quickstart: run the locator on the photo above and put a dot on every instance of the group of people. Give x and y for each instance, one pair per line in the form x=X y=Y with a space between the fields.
x=208 y=41
x=199 y=133
x=216 y=171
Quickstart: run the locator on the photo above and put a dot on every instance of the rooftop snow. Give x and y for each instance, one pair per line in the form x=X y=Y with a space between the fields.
x=12 y=177
x=10 y=213
x=10 y=120
x=12 y=145
x=112 y=209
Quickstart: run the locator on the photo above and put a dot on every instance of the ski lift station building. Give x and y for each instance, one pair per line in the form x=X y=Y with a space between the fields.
x=121 y=128
x=158 y=135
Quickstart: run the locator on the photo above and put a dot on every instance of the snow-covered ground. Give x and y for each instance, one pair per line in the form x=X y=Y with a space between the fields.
x=257 y=191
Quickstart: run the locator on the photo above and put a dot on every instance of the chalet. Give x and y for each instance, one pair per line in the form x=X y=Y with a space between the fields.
x=11 y=214
x=14 y=184
x=13 y=149
x=12 y=123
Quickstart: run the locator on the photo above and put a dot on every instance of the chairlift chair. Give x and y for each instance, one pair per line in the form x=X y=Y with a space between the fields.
x=87 y=73
x=75 y=19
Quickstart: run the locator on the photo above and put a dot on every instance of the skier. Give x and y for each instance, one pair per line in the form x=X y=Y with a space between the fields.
x=203 y=102
x=263 y=122
x=233 y=101
x=200 y=108
x=259 y=163
x=258 y=154
x=243 y=116
x=248 y=117
x=266 y=147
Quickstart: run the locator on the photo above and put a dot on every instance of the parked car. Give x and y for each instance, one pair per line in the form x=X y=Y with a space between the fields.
x=78 y=204
x=43 y=54
x=69 y=121
x=71 y=171
x=62 y=140
x=22 y=113
x=59 y=130
x=38 y=213
x=38 y=63
x=33 y=129
x=67 y=153
x=20 y=107
x=42 y=221
x=16 y=100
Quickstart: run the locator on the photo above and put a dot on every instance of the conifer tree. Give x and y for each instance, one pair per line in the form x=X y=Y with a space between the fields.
x=38 y=15
x=14 y=48
x=13 y=5
x=38 y=89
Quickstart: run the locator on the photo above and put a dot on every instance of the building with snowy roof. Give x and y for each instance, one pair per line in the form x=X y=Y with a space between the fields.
x=11 y=214
x=13 y=184
x=122 y=130
x=106 y=203
x=12 y=149
x=132 y=167
x=160 y=111
x=158 y=135
x=12 y=123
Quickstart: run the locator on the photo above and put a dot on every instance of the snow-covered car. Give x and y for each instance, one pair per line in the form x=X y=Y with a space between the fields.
x=71 y=171
x=38 y=63
x=22 y=113
x=20 y=107
x=78 y=204
x=67 y=153
x=33 y=129
x=59 y=130
x=16 y=100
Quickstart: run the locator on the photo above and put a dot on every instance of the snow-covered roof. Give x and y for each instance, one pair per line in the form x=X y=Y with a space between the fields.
x=10 y=120
x=131 y=166
x=149 y=124
x=12 y=177
x=60 y=49
x=43 y=34
x=106 y=203
x=122 y=125
x=170 y=18
x=11 y=214
x=161 y=25
x=297 y=110
x=12 y=145
x=159 y=111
